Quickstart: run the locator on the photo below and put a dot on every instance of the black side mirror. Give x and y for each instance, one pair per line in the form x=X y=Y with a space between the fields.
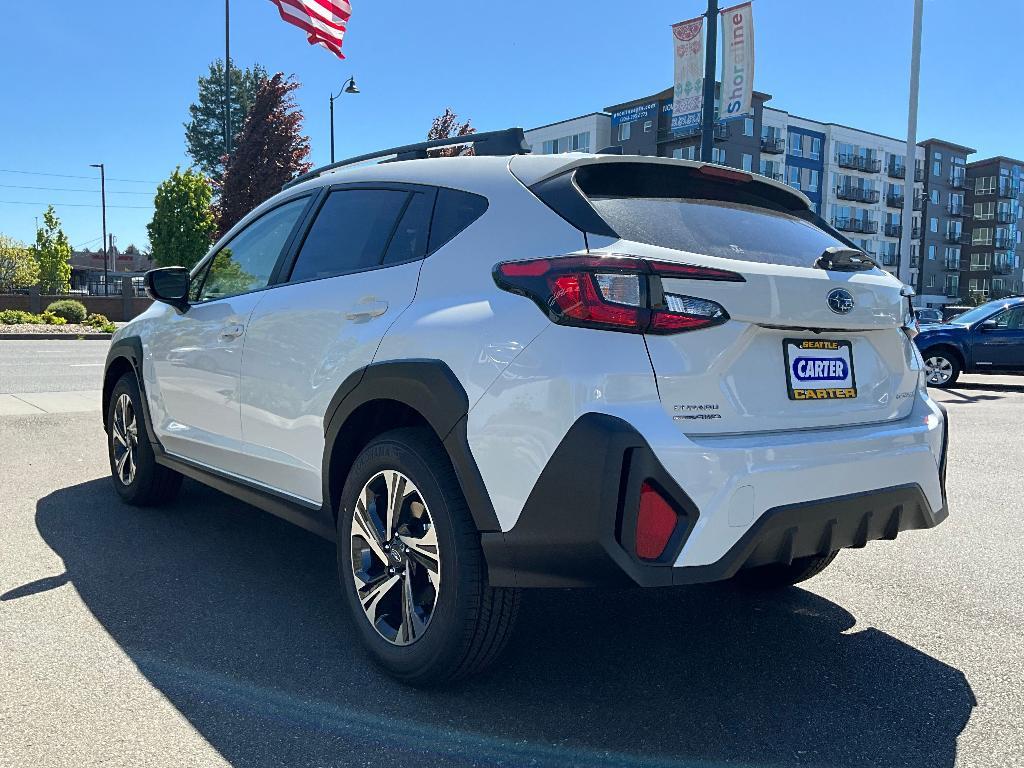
x=169 y=285
x=987 y=325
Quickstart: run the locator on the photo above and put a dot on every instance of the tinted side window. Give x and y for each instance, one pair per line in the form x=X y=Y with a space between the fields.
x=410 y=239
x=453 y=212
x=350 y=233
x=245 y=263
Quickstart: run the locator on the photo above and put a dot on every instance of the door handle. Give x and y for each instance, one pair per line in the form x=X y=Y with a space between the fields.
x=232 y=332
x=367 y=309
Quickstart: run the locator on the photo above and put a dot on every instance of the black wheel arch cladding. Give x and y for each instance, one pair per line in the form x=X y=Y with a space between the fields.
x=427 y=387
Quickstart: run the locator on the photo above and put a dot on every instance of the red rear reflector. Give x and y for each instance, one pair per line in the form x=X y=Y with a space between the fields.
x=725 y=173
x=655 y=523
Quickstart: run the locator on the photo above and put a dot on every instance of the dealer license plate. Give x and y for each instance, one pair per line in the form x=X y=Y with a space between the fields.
x=819 y=369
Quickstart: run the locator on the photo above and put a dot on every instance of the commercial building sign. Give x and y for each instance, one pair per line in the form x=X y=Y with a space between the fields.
x=639 y=112
x=688 y=40
x=737 y=25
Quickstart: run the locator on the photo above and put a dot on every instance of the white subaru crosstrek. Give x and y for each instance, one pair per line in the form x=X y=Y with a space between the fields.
x=483 y=373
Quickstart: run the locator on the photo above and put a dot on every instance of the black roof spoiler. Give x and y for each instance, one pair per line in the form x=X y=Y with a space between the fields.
x=510 y=141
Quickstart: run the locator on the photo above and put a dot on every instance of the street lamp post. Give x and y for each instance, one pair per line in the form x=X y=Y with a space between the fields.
x=103 y=205
x=348 y=87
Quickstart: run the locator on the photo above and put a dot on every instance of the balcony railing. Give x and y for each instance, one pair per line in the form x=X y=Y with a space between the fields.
x=773 y=145
x=1002 y=268
x=860 y=163
x=867 y=226
x=888 y=259
x=956 y=209
x=858 y=194
x=951 y=265
x=1003 y=241
x=893 y=230
x=919 y=173
x=894 y=201
x=1006 y=217
x=896 y=170
x=721 y=133
x=958 y=181
x=955 y=238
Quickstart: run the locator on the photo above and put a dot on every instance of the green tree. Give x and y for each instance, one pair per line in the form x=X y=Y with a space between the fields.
x=204 y=133
x=52 y=252
x=271 y=151
x=183 y=223
x=18 y=268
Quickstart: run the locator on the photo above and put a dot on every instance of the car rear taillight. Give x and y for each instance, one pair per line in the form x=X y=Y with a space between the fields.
x=618 y=293
x=655 y=523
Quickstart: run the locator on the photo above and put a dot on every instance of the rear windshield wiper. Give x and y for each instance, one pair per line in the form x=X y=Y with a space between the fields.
x=842 y=259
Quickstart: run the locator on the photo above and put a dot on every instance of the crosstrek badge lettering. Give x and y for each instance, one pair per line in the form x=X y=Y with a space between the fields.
x=819 y=369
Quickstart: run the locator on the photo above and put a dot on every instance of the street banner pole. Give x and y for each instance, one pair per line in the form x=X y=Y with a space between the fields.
x=910 y=165
x=710 y=60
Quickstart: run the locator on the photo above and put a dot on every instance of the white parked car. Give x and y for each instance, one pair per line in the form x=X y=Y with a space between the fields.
x=483 y=373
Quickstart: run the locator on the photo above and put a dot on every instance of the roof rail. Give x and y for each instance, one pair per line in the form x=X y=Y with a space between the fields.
x=510 y=141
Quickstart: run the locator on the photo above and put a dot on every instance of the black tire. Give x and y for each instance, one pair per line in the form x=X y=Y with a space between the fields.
x=779 y=576
x=941 y=359
x=151 y=484
x=470 y=622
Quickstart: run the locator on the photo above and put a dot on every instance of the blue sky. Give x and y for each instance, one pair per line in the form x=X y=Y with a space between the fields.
x=105 y=81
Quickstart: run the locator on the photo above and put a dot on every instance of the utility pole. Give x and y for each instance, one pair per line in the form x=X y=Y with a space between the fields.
x=710 y=62
x=103 y=205
x=227 y=78
x=903 y=266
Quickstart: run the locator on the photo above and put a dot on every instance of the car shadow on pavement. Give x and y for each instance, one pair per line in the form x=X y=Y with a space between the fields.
x=236 y=618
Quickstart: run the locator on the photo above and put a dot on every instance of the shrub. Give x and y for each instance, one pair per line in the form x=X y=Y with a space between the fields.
x=16 y=317
x=100 y=323
x=72 y=311
x=48 y=318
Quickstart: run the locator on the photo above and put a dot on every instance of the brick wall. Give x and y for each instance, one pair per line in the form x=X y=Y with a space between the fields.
x=117 y=308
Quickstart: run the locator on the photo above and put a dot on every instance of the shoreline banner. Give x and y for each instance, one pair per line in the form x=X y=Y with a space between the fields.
x=688 y=41
x=737 y=61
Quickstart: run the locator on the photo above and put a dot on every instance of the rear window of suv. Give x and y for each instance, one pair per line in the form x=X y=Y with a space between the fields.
x=679 y=208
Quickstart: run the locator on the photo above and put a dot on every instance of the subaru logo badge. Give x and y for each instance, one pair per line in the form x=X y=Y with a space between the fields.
x=840 y=301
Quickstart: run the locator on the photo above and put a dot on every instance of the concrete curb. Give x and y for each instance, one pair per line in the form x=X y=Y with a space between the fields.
x=51 y=336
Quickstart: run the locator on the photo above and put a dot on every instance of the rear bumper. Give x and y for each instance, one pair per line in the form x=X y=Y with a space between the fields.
x=576 y=528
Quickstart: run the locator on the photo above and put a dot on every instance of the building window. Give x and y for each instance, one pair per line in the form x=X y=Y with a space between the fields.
x=815 y=148
x=771 y=169
x=985 y=185
x=718 y=155
x=952 y=285
x=624 y=131
x=935 y=196
x=931 y=253
x=748 y=126
x=933 y=224
x=748 y=161
x=930 y=281
x=981 y=262
x=648 y=124
x=984 y=211
x=981 y=236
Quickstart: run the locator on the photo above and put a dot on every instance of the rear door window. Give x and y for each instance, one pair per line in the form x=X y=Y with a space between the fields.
x=410 y=239
x=351 y=233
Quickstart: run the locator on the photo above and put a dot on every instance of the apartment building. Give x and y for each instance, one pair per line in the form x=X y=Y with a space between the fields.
x=586 y=133
x=990 y=266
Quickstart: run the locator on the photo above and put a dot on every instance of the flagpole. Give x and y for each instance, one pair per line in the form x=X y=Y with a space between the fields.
x=227 y=78
x=910 y=165
x=710 y=61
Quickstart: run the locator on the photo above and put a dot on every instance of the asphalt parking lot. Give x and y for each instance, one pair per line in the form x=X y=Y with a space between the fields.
x=208 y=633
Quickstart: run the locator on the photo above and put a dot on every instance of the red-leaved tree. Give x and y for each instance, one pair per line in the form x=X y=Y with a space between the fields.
x=271 y=151
x=445 y=126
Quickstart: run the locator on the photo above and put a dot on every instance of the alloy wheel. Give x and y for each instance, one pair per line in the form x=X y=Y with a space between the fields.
x=395 y=559
x=938 y=369
x=124 y=438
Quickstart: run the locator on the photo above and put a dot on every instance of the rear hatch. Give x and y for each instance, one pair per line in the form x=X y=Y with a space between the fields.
x=814 y=335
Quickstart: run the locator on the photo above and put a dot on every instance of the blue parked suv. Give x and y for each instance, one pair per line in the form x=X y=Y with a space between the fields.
x=986 y=339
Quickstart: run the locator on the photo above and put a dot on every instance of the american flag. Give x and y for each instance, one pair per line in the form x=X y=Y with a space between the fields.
x=325 y=21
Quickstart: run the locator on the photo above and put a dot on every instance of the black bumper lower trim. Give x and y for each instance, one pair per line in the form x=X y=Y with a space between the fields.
x=576 y=527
